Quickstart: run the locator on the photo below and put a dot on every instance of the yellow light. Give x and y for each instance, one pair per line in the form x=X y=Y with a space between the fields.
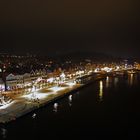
x=101 y=91
x=131 y=79
x=107 y=81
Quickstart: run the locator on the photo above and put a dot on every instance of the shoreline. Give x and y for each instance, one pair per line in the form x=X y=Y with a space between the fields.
x=22 y=108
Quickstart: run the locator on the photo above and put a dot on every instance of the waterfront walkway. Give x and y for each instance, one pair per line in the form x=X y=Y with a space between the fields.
x=26 y=103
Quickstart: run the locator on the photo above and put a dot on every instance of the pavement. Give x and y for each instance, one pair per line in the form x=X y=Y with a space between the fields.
x=23 y=104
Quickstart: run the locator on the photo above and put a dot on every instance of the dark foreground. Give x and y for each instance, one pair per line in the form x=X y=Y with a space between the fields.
x=107 y=108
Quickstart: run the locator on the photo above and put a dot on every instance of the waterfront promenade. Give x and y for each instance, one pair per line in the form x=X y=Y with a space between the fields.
x=26 y=103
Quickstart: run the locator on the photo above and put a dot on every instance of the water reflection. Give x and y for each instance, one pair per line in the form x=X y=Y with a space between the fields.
x=130 y=79
x=46 y=120
x=70 y=100
x=55 y=107
x=34 y=116
x=3 y=133
x=101 y=91
x=116 y=80
x=107 y=81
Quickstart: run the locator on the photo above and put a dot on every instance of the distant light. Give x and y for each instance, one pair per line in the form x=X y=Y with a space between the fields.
x=96 y=70
x=50 y=80
x=107 y=69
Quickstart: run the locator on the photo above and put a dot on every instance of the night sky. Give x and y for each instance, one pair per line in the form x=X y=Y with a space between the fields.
x=59 y=26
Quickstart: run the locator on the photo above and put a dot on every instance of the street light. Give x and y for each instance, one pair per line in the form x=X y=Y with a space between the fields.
x=4 y=76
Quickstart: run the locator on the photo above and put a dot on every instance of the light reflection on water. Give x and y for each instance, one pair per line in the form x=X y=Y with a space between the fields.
x=3 y=133
x=101 y=91
x=55 y=107
x=133 y=79
x=70 y=100
x=130 y=79
x=107 y=81
x=116 y=80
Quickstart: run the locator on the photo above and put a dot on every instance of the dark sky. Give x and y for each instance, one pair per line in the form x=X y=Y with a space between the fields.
x=45 y=26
